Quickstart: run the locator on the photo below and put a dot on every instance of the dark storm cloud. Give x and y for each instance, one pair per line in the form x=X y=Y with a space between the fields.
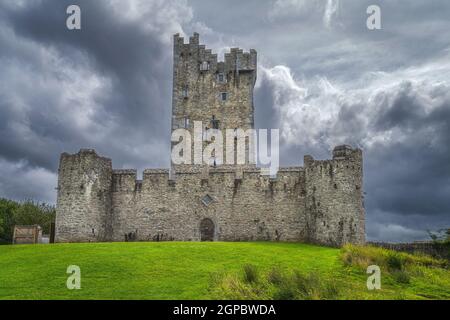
x=265 y=117
x=412 y=177
x=135 y=62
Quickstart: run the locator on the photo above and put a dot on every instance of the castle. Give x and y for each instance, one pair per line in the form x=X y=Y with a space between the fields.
x=321 y=202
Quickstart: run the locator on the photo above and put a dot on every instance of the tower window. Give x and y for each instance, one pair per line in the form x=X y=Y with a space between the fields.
x=214 y=123
x=186 y=123
x=224 y=96
x=185 y=92
x=221 y=78
x=204 y=66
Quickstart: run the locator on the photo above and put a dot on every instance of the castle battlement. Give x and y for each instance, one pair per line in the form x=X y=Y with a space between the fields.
x=320 y=202
x=236 y=60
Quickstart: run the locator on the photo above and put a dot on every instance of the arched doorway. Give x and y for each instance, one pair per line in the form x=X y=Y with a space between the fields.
x=206 y=230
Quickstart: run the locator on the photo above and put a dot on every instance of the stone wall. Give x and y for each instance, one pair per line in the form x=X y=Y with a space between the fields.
x=440 y=250
x=319 y=203
x=250 y=207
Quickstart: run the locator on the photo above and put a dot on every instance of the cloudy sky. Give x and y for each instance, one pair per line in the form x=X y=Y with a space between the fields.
x=324 y=79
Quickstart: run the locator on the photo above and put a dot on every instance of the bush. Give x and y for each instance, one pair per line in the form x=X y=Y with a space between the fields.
x=30 y=213
x=401 y=276
x=7 y=209
x=395 y=261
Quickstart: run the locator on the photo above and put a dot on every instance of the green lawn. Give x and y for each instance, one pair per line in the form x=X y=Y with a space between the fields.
x=183 y=270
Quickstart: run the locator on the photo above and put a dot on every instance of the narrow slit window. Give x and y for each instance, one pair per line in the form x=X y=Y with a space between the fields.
x=221 y=78
x=215 y=123
x=185 y=92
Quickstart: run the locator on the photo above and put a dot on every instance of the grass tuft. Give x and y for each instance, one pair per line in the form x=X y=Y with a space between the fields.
x=277 y=284
x=250 y=273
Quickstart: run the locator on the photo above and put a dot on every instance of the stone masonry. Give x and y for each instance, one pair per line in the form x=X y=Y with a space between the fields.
x=321 y=202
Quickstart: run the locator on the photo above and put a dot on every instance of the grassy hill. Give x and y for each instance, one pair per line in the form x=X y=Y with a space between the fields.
x=199 y=270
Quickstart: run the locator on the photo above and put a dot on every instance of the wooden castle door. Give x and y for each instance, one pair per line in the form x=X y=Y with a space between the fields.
x=206 y=230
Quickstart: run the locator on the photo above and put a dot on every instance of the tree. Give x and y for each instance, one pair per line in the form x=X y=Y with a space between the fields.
x=31 y=213
x=24 y=213
x=440 y=235
x=7 y=208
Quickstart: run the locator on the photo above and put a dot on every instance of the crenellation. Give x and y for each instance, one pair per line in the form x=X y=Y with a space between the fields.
x=194 y=40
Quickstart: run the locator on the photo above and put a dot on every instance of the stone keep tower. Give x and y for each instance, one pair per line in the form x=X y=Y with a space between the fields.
x=83 y=210
x=321 y=202
x=218 y=94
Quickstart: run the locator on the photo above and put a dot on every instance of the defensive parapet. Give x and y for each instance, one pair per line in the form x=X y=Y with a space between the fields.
x=195 y=54
x=84 y=198
x=334 y=198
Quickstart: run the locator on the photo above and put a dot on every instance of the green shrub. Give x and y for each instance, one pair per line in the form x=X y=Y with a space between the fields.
x=401 y=276
x=7 y=209
x=395 y=261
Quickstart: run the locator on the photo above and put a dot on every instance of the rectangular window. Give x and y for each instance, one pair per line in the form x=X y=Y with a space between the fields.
x=215 y=124
x=204 y=66
x=186 y=123
x=224 y=96
x=221 y=78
